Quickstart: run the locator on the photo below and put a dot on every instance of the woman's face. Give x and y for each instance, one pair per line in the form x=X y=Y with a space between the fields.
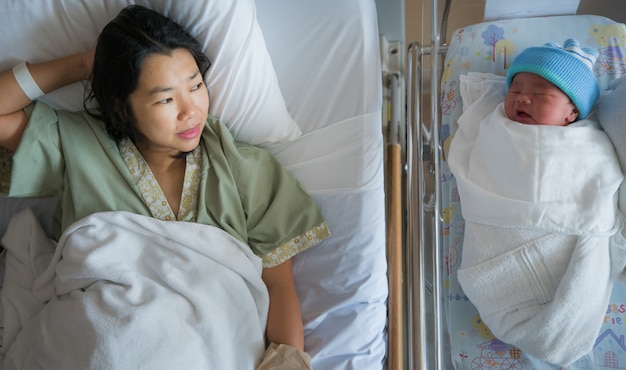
x=170 y=104
x=533 y=100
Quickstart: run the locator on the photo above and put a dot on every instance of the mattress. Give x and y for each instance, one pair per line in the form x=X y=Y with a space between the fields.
x=329 y=73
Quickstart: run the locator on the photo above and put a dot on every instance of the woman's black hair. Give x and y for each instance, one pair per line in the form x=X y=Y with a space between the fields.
x=123 y=45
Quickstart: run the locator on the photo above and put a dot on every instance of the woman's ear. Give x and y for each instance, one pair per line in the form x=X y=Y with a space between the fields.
x=120 y=109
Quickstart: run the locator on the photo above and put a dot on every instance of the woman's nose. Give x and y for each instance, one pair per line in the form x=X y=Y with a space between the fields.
x=188 y=109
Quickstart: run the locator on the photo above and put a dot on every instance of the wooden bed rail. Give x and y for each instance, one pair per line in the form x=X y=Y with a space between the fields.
x=395 y=306
x=394 y=250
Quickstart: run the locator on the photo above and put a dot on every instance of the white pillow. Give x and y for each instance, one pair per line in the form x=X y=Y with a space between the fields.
x=242 y=84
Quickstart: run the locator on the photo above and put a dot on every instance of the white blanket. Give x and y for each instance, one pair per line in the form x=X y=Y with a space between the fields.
x=611 y=113
x=562 y=179
x=129 y=291
x=540 y=208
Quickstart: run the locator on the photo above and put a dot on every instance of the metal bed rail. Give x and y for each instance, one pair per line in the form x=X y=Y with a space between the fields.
x=423 y=249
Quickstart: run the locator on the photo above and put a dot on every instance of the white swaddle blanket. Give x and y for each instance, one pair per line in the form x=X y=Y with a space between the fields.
x=540 y=208
x=611 y=115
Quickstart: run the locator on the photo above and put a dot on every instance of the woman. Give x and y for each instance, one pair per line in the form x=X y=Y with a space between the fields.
x=152 y=148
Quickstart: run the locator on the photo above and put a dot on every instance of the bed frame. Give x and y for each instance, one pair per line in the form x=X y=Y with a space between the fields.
x=416 y=331
x=427 y=325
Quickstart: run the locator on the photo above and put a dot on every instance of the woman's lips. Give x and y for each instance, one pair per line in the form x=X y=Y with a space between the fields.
x=191 y=133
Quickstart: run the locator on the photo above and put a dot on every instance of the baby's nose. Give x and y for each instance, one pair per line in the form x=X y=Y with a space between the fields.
x=523 y=98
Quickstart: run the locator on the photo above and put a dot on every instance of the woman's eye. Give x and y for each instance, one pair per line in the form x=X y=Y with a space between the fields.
x=164 y=101
x=198 y=86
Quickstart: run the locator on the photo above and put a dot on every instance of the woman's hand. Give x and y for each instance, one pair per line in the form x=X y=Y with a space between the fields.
x=284 y=323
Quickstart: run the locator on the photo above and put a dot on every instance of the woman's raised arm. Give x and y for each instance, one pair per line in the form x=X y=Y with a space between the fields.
x=48 y=76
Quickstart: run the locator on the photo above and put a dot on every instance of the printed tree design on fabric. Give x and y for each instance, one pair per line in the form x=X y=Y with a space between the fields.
x=505 y=47
x=493 y=37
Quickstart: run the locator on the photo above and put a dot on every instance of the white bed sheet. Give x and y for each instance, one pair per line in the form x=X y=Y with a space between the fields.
x=326 y=57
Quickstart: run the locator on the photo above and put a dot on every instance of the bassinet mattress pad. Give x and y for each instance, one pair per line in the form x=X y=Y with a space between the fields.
x=490 y=47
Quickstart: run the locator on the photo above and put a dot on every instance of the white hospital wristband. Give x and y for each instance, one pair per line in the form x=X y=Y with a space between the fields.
x=26 y=82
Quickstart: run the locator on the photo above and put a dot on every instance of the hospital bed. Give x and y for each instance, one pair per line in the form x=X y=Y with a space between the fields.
x=445 y=330
x=325 y=55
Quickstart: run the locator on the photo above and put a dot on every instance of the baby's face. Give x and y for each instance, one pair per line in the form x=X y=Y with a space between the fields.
x=533 y=100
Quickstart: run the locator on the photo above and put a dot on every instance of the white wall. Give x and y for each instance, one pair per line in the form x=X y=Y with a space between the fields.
x=614 y=9
x=391 y=19
x=466 y=12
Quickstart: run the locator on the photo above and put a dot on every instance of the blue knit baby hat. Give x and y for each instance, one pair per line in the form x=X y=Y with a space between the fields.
x=568 y=67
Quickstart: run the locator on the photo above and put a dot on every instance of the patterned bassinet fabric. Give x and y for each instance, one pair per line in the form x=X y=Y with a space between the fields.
x=490 y=47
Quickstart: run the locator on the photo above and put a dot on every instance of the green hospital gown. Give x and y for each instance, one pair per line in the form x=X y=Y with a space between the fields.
x=243 y=189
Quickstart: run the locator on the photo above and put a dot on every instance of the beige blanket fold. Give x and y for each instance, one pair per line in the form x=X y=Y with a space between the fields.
x=284 y=357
